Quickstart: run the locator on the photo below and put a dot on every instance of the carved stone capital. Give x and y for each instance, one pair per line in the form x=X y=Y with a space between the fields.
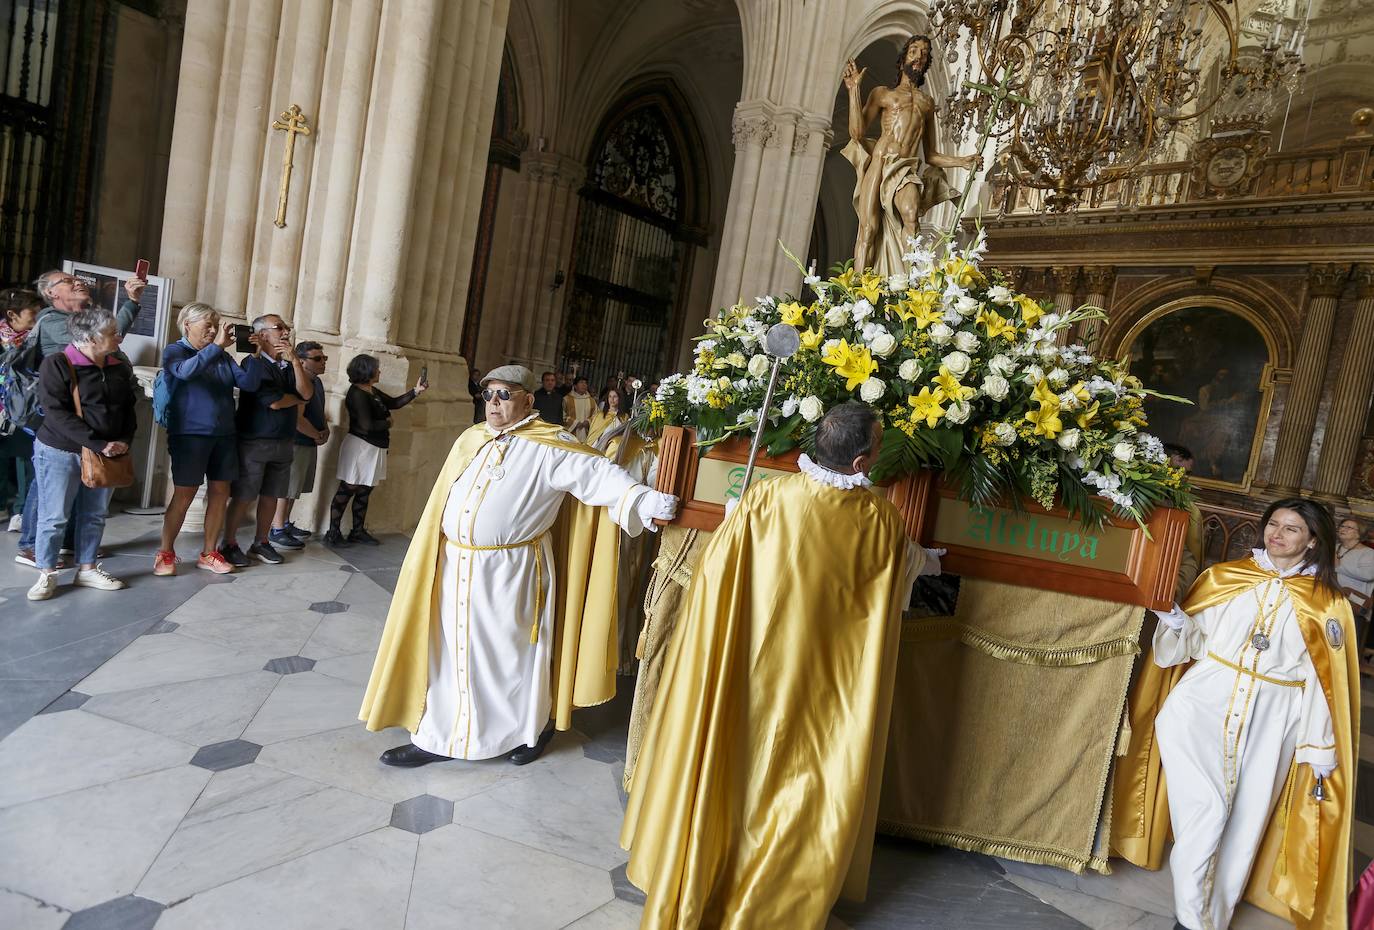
x=1098 y=279
x=554 y=168
x=1065 y=278
x=752 y=130
x=800 y=139
x=1327 y=279
x=1364 y=281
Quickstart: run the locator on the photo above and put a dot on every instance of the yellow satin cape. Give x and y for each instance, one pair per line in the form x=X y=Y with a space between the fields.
x=755 y=794
x=585 y=557
x=1303 y=869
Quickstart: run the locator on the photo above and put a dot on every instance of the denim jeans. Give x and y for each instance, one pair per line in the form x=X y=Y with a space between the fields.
x=60 y=492
x=30 y=524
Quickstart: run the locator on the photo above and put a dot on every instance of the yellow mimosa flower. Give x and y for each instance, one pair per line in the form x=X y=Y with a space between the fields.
x=950 y=386
x=926 y=406
x=997 y=325
x=812 y=339
x=853 y=363
x=1088 y=415
x=1030 y=310
x=791 y=313
x=1046 y=421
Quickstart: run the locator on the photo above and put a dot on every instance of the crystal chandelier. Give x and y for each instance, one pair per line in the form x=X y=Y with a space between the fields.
x=1080 y=93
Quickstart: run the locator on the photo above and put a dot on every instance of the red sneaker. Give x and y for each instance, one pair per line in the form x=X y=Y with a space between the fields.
x=214 y=562
x=165 y=563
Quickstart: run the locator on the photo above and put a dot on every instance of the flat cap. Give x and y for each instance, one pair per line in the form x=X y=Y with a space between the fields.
x=512 y=374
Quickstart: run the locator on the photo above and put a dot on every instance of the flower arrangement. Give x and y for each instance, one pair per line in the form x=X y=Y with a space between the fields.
x=968 y=376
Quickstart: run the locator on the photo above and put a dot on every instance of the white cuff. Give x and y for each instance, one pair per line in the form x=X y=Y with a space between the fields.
x=1323 y=761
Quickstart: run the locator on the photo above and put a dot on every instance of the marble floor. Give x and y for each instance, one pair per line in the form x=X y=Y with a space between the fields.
x=185 y=755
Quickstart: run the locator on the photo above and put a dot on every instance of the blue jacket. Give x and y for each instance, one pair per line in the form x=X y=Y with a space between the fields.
x=203 y=398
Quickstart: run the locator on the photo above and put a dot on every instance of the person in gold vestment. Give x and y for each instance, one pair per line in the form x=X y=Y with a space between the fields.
x=1254 y=739
x=755 y=797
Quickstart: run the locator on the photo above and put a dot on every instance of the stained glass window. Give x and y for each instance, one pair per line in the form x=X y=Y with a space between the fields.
x=636 y=163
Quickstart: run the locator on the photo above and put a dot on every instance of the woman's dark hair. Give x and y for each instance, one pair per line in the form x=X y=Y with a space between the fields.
x=844 y=434
x=362 y=369
x=1323 y=530
x=18 y=299
x=605 y=401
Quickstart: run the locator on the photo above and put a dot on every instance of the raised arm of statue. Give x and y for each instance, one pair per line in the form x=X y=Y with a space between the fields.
x=939 y=159
x=860 y=114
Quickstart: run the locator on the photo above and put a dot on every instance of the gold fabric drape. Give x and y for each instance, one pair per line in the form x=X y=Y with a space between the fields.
x=1005 y=722
x=754 y=798
x=1303 y=870
x=585 y=556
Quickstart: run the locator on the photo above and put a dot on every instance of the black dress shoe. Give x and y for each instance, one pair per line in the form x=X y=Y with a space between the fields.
x=527 y=754
x=411 y=756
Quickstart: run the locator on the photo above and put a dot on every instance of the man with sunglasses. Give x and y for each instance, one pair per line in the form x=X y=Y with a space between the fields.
x=487 y=605
x=312 y=431
x=65 y=294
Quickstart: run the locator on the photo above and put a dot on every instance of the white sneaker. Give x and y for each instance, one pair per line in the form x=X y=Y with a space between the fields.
x=44 y=587
x=98 y=578
x=17 y=523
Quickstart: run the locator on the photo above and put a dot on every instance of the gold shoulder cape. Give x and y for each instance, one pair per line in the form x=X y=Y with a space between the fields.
x=585 y=553
x=1302 y=870
x=755 y=795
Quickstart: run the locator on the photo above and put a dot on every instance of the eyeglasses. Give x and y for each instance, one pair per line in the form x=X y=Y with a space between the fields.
x=317 y=358
x=498 y=394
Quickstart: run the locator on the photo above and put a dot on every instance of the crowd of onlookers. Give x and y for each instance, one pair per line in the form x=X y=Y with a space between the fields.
x=565 y=398
x=248 y=430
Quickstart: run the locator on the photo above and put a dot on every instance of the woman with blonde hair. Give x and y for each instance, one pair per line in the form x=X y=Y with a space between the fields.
x=201 y=438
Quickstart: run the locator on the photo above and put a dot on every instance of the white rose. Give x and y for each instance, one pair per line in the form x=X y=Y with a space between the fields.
x=1005 y=433
x=1123 y=451
x=967 y=306
x=724 y=383
x=1048 y=351
x=909 y=370
x=1001 y=365
x=966 y=342
x=957 y=362
x=811 y=409
x=758 y=366
x=736 y=359
x=940 y=334
x=871 y=390
x=789 y=406
x=898 y=282
x=999 y=294
x=1058 y=377
x=996 y=387
x=862 y=311
x=1034 y=373
x=959 y=411
x=1068 y=440
x=837 y=316
x=884 y=344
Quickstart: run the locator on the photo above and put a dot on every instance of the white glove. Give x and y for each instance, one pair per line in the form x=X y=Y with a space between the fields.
x=932 y=563
x=1322 y=769
x=1174 y=618
x=655 y=505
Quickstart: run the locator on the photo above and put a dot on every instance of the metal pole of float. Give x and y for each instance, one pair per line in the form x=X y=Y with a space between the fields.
x=781 y=342
x=625 y=431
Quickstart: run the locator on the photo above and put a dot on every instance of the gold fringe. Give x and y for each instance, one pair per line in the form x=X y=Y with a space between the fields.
x=942 y=628
x=1020 y=852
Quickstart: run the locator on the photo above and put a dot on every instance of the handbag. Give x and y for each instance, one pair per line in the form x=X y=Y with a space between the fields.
x=100 y=471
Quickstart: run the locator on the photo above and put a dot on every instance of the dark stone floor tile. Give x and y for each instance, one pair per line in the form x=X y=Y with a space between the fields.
x=21 y=698
x=329 y=607
x=624 y=888
x=917 y=887
x=229 y=754
x=127 y=913
x=71 y=700
x=421 y=814
x=163 y=626
x=289 y=665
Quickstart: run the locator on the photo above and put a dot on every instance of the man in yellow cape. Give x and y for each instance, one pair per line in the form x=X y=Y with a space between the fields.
x=755 y=797
x=503 y=614
x=1301 y=867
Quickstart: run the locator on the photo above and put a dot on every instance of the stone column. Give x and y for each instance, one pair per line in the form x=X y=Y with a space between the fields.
x=1324 y=285
x=1098 y=280
x=384 y=195
x=1065 y=279
x=1350 y=404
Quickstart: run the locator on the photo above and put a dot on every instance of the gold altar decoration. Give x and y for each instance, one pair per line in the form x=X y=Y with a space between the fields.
x=292 y=122
x=1109 y=81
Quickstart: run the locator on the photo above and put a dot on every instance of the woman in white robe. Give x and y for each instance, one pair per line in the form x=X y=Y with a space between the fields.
x=1251 y=706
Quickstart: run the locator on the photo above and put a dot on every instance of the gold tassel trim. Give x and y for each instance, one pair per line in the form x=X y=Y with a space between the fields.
x=924 y=631
x=1003 y=849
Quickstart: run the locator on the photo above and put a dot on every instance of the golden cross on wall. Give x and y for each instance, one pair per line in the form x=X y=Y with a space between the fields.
x=292 y=122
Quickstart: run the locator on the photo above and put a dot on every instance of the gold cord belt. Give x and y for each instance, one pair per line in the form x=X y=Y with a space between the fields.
x=536 y=545
x=1273 y=681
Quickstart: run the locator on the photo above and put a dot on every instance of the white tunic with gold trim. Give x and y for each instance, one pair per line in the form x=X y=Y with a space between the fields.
x=489 y=671
x=1227 y=735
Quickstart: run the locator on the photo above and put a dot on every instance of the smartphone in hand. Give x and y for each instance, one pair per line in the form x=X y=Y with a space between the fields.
x=141 y=269
x=243 y=337
x=424 y=375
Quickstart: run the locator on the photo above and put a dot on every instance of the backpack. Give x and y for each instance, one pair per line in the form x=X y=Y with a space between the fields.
x=19 y=407
x=164 y=386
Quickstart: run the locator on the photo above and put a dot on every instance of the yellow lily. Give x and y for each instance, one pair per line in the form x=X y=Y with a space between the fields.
x=846 y=279
x=1046 y=421
x=963 y=273
x=926 y=406
x=997 y=325
x=921 y=306
x=1044 y=395
x=853 y=363
x=950 y=386
x=1030 y=310
x=791 y=313
x=812 y=339
x=1087 y=415
x=870 y=287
